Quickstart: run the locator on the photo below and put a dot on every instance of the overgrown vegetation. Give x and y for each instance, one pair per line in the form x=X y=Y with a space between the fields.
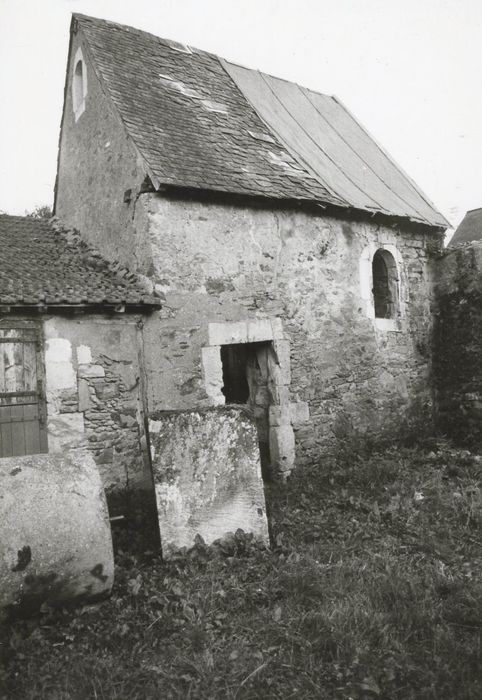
x=41 y=211
x=372 y=590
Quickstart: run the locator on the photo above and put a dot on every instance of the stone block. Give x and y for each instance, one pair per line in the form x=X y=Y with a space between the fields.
x=279 y=375
x=84 y=355
x=59 y=370
x=299 y=413
x=262 y=396
x=279 y=415
x=106 y=456
x=213 y=373
x=55 y=541
x=281 y=394
x=282 y=350
x=227 y=333
x=277 y=328
x=248 y=331
x=105 y=391
x=58 y=350
x=91 y=371
x=127 y=420
x=282 y=448
x=259 y=330
x=65 y=431
x=207 y=475
x=128 y=374
x=68 y=401
x=85 y=402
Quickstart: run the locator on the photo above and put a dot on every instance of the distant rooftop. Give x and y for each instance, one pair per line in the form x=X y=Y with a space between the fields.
x=41 y=265
x=203 y=123
x=470 y=228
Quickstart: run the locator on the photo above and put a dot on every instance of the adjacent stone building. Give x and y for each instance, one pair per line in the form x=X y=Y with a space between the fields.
x=469 y=229
x=71 y=360
x=291 y=251
x=458 y=344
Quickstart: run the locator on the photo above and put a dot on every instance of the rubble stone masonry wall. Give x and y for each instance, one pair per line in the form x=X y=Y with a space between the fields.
x=221 y=263
x=94 y=401
x=458 y=344
x=229 y=264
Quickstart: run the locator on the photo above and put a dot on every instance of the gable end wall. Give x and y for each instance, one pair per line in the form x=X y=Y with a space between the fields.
x=97 y=164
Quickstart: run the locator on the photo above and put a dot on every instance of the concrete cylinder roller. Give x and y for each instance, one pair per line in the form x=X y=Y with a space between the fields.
x=55 y=537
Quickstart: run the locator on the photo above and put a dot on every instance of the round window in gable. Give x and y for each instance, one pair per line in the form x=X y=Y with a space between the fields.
x=79 y=85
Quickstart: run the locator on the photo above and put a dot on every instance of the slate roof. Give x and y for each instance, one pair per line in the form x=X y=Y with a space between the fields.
x=469 y=229
x=165 y=98
x=41 y=265
x=198 y=123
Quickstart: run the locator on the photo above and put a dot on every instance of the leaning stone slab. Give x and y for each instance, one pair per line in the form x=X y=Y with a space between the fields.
x=55 y=539
x=207 y=475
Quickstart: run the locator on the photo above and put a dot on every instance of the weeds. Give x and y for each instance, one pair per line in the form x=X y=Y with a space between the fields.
x=372 y=589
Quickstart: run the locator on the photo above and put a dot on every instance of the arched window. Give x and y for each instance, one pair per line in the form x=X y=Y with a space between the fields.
x=385 y=284
x=79 y=85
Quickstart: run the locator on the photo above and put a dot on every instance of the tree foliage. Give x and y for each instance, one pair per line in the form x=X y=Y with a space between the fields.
x=41 y=211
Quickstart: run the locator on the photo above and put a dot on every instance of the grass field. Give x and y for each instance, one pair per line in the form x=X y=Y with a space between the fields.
x=372 y=589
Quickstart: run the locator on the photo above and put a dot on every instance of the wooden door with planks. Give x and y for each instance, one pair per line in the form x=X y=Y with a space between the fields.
x=23 y=429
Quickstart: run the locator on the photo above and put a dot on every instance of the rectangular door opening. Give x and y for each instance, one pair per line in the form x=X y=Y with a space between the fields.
x=246 y=381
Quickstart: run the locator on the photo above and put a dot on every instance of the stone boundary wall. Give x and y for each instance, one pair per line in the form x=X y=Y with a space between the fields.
x=457 y=346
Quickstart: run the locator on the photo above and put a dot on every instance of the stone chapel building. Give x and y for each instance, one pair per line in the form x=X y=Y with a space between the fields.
x=291 y=252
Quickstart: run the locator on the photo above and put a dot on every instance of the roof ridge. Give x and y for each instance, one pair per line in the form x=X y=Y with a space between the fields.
x=277 y=77
x=129 y=27
x=184 y=141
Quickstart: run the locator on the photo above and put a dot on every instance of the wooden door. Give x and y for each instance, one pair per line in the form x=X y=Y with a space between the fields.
x=22 y=402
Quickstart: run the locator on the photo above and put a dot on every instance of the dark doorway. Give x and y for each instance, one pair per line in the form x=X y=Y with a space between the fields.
x=235 y=360
x=246 y=381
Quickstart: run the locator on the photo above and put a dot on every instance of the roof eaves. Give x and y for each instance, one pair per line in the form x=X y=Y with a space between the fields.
x=444 y=222
x=117 y=307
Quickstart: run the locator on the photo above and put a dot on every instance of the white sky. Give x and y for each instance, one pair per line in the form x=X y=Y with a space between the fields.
x=410 y=70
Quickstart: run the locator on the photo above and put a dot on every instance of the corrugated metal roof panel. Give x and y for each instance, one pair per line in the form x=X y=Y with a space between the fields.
x=375 y=156
x=322 y=135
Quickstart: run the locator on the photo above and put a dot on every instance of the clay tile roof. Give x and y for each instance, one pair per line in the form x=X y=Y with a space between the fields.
x=40 y=264
x=202 y=122
x=470 y=228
